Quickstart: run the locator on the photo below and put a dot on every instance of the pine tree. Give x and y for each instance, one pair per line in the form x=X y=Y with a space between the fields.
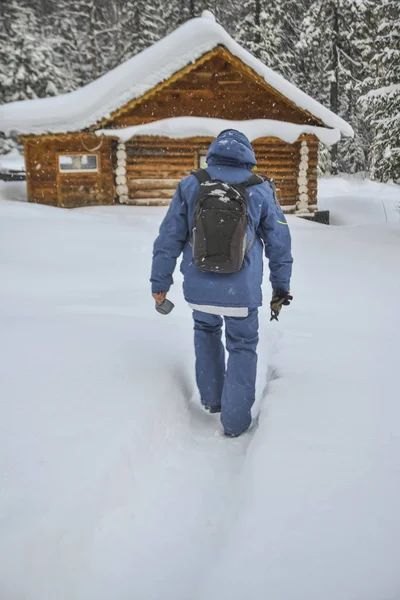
x=103 y=35
x=60 y=23
x=90 y=37
x=228 y=13
x=335 y=69
x=145 y=23
x=249 y=28
x=271 y=31
x=354 y=153
x=155 y=22
x=382 y=105
x=27 y=69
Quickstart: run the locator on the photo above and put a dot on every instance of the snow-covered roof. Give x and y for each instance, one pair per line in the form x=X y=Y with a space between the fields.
x=97 y=100
x=186 y=127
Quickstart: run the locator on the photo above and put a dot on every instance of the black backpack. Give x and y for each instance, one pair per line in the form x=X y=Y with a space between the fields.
x=220 y=223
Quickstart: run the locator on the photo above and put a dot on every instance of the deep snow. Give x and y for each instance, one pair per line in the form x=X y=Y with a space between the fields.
x=114 y=484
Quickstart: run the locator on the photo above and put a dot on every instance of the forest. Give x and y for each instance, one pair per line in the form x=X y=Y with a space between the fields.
x=343 y=53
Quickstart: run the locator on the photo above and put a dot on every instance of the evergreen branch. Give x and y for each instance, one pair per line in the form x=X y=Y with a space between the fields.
x=356 y=64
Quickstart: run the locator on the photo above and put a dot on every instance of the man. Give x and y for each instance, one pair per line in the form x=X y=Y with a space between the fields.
x=235 y=296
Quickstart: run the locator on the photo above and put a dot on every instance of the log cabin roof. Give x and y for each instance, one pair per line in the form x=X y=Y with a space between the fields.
x=98 y=100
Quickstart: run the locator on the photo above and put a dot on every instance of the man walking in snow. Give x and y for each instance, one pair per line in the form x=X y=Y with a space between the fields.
x=217 y=290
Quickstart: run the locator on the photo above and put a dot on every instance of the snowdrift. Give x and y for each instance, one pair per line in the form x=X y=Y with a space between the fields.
x=116 y=485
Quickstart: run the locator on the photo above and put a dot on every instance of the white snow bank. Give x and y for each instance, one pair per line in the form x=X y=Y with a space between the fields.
x=13 y=190
x=185 y=127
x=113 y=485
x=13 y=161
x=352 y=200
x=86 y=106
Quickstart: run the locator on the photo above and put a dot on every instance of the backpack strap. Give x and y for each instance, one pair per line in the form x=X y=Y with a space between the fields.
x=255 y=179
x=273 y=186
x=201 y=175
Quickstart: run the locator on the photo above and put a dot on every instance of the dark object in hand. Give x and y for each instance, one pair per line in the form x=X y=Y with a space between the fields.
x=279 y=299
x=165 y=307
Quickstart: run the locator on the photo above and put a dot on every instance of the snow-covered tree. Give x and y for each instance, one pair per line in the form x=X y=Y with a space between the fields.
x=145 y=23
x=269 y=32
x=7 y=143
x=156 y=20
x=27 y=68
x=102 y=23
x=382 y=110
x=382 y=104
x=335 y=69
x=62 y=22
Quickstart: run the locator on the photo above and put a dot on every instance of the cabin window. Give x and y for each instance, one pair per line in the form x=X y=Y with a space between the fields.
x=202 y=160
x=76 y=163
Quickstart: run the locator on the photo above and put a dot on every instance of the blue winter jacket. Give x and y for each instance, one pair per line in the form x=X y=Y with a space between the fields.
x=230 y=158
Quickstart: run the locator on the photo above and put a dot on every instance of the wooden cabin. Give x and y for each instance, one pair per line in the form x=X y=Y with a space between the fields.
x=107 y=142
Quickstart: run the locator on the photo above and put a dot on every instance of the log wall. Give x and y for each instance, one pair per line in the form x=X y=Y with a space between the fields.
x=156 y=165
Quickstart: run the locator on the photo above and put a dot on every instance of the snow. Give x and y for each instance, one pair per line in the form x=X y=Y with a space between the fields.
x=207 y=14
x=13 y=161
x=85 y=107
x=186 y=127
x=383 y=91
x=116 y=485
x=352 y=200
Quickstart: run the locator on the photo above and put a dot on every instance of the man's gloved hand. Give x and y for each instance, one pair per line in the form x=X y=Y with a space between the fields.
x=279 y=299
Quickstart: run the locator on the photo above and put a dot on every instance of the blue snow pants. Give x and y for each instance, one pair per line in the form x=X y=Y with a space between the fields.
x=232 y=388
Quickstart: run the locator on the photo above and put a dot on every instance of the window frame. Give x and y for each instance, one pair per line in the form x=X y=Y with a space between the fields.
x=68 y=171
x=201 y=154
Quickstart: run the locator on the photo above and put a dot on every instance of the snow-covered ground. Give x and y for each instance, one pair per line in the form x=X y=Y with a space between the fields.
x=13 y=161
x=114 y=484
x=356 y=201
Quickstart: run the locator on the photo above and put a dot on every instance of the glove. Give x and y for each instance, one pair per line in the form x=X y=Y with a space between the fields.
x=279 y=299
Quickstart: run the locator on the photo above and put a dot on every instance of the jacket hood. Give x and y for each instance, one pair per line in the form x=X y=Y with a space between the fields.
x=231 y=148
